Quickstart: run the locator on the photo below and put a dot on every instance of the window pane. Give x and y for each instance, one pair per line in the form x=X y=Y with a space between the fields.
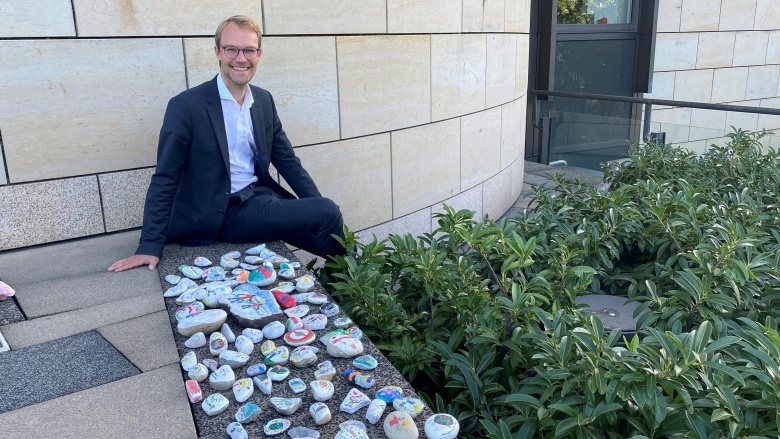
x=594 y=11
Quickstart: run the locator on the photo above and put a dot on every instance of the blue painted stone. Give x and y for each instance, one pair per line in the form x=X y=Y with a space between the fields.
x=256 y=369
x=390 y=393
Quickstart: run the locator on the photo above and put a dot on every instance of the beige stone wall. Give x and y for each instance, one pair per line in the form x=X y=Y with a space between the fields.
x=394 y=106
x=716 y=51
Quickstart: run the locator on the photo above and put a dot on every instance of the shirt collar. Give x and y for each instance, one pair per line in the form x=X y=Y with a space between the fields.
x=224 y=93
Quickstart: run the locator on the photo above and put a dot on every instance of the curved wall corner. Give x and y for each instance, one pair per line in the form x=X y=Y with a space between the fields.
x=394 y=106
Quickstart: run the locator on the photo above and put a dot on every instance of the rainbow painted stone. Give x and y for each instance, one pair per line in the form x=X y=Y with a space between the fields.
x=299 y=337
x=276 y=427
x=262 y=277
x=359 y=378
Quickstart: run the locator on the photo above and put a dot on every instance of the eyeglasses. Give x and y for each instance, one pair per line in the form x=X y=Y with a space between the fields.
x=249 y=52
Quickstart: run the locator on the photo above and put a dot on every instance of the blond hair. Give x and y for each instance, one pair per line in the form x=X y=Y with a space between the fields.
x=243 y=22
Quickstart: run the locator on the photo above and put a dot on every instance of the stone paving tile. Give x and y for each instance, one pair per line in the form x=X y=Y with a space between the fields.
x=146 y=341
x=60 y=367
x=148 y=405
x=40 y=330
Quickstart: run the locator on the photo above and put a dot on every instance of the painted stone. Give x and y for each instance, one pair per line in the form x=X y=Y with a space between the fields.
x=283 y=299
x=262 y=276
x=273 y=330
x=186 y=298
x=322 y=390
x=330 y=335
x=243 y=389
x=441 y=426
x=206 y=322
x=304 y=356
x=303 y=433
x=353 y=423
x=278 y=357
x=244 y=345
x=297 y=311
x=247 y=413
x=301 y=297
x=276 y=427
x=222 y=379
x=256 y=369
x=365 y=362
x=320 y=412
x=254 y=310
x=213 y=274
x=275 y=260
x=217 y=343
x=211 y=299
x=351 y=432
x=211 y=286
x=285 y=287
x=286 y=406
x=228 y=333
x=263 y=383
x=242 y=276
x=228 y=263
x=325 y=371
x=315 y=322
x=256 y=260
x=390 y=393
x=191 y=272
x=299 y=337
x=248 y=267
x=413 y=406
x=256 y=250
x=297 y=385
x=248 y=289
x=215 y=404
x=354 y=331
x=400 y=425
x=278 y=373
x=236 y=431
x=354 y=401
x=200 y=261
x=342 y=322
x=375 y=410
x=185 y=311
x=211 y=364
x=200 y=294
x=267 y=347
x=286 y=271
x=293 y=323
x=344 y=346
x=255 y=335
x=330 y=309
x=198 y=373
x=182 y=286
x=172 y=279
x=233 y=254
x=189 y=360
x=304 y=284
x=233 y=359
x=359 y=378
x=317 y=298
x=194 y=394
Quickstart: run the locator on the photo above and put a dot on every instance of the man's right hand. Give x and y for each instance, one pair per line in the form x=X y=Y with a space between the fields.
x=135 y=261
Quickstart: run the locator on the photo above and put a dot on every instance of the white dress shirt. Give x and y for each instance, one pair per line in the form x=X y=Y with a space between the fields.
x=240 y=138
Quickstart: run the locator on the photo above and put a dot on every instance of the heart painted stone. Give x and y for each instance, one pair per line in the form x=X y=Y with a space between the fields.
x=297 y=385
x=278 y=357
x=286 y=406
x=256 y=369
x=299 y=337
x=215 y=404
x=330 y=309
x=400 y=425
x=354 y=401
x=276 y=427
x=198 y=373
x=217 y=343
x=344 y=347
x=236 y=431
x=365 y=362
x=342 y=322
x=413 y=406
x=375 y=410
x=189 y=360
x=244 y=345
x=293 y=323
x=297 y=311
x=228 y=333
x=222 y=378
x=243 y=389
x=233 y=359
x=441 y=426
x=247 y=413
x=206 y=322
x=303 y=356
x=390 y=393
x=359 y=378
x=278 y=373
x=194 y=393
x=255 y=335
x=263 y=383
x=317 y=298
x=267 y=347
x=315 y=322
x=273 y=330
x=322 y=390
x=320 y=412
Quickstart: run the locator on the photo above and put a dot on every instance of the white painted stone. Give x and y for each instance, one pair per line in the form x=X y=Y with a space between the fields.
x=236 y=431
x=276 y=426
x=222 y=379
x=412 y=406
x=189 y=360
x=278 y=357
x=244 y=345
x=243 y=389
x=315 y=322
x=344 y=347
x=303 y=356
x=375 y=410
x=247 y=413
x=320 y=412
x=278 y=373
x=351 y=431
x=255 y=335
x=233 y=358
x=441 y=426
x=198 y=373
x=322 y=390
x=354 y=401
x=181 y=287
x=217 y=343
x=263 y=383
x=286 y=406
x=194 y=394
x=400 y=425
x=215 y=404
x=273 y=330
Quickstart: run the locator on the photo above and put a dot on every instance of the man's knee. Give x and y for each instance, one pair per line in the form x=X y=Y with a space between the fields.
x=329 y=211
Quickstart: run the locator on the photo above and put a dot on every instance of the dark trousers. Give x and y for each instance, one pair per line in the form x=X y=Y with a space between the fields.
x=306 y=223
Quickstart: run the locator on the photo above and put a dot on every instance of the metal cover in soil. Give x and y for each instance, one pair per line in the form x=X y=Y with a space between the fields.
x=613 y=311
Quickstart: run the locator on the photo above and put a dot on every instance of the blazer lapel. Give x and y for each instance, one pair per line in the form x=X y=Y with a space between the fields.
x=214 y=109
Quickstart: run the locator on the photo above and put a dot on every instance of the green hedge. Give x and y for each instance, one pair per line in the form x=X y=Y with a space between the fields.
x=481 y=316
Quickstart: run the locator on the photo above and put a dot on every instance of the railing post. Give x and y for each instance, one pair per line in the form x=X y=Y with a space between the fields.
x=646 y=128
x=544 y=151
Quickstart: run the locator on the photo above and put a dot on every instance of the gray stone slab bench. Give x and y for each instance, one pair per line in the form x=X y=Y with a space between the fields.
x=207 y=426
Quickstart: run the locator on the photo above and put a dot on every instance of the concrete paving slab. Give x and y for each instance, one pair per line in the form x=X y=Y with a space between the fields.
x=146 y=341
x=40 y=330
x=147 y=405
x=60 y=367
x=54 y=296
x=537 y=180
x=68 y=259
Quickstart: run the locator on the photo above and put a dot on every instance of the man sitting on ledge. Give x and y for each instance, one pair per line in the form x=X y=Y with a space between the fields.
x=212 y=180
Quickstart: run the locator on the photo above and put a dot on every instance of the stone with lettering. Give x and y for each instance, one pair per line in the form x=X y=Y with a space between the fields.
x=286 y=406
x=279 y=357
x=286 y=271
x=186 y=298
x=263 y=383
x=365 y=362
x=317 y=299
x=350 y=431
x=198 y=340
x=181 y=287
x=201 y=261
x=303 y=433
x=194 y=393
x=275 y=427
x=217 y=343
x=222 y=378
x=233 y=359
x=354 y=401
x=315 y=322
x=263 y=276
x=215 y=404
x=198 y=373
x=297 y=311
x=244 y=345
x=304 y=356
x=293 y=323
x=189 y=360
x=342 y=322
x=211 y=364
x=247 y=413
x=236 y=431
x=206 y=322
x=441 y=426
x=255 y=335
x=359 y=378
x=400 y=425
x=330 y=309
x=345 y=347
x=278 y=373
x=172 y=279
x=375 y=410
x=300 y=337
x=322 y=390
x=297 y=385
x=413 y=406
x=320 y=412
x=267 y=347
x=243 y=389
x=389 y=394
x=273 y=330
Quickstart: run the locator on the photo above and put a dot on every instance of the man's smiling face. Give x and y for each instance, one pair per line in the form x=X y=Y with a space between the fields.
x=237 y=72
